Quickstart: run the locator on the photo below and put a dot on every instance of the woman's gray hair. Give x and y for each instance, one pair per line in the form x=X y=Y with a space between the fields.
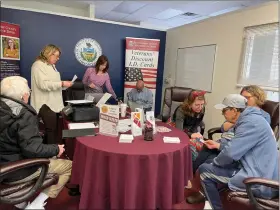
x=14 y=87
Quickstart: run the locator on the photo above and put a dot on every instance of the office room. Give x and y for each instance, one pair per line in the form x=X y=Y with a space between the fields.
x=139 y=105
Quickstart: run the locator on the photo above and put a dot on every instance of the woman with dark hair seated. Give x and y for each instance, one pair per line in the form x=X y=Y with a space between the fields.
x=20 y=139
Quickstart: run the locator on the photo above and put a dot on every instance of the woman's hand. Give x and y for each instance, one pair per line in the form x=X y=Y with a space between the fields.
x=196 y=135
x=61 y=149
x=67 y=84
x=210 y=144
x=91 y=85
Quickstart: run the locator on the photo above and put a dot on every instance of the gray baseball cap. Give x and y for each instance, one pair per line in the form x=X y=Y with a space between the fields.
x=233 y=100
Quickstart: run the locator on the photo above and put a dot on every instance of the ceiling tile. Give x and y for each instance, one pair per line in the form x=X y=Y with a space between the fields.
x=208 y=7
x=167 y=14
x=115 y=16
x=129 y=7
x=104 y=7
x=145 y=12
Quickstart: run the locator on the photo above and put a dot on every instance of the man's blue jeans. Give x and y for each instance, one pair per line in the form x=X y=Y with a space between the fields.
x=211 y=176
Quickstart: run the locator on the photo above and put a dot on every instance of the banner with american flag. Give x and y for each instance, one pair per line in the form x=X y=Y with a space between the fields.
x=141 y=63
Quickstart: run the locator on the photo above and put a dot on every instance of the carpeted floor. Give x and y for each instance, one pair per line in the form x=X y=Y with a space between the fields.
x=66 y=202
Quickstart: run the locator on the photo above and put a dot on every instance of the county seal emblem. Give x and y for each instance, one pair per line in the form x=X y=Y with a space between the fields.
x=87 y=51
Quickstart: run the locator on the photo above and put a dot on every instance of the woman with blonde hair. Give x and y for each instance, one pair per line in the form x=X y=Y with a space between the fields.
x=47 y=86
x=20 y=139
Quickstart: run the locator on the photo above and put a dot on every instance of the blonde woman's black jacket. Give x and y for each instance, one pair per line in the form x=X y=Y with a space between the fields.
x=19 y=137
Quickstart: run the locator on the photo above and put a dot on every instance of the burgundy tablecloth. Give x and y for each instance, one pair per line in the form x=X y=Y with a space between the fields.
x=140 y=175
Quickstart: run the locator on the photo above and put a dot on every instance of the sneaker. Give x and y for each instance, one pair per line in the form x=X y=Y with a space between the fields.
x=207 y=205
x=34 y=206
x=21 y=205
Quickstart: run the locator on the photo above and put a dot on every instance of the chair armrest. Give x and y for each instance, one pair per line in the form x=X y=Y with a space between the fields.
x=14 y=166
x=249 y=182
x=261 y=181
x=212 y=131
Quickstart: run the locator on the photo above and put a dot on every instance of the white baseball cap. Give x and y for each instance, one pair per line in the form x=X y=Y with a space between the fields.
x=234 y=101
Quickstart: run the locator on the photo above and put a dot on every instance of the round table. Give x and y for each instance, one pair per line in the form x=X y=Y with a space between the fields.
x=138 y=175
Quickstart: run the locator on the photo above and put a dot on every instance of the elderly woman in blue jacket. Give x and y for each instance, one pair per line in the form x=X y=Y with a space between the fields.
x=252 y=152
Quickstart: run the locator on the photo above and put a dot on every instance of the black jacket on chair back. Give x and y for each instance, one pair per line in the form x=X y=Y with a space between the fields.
x=19 y=136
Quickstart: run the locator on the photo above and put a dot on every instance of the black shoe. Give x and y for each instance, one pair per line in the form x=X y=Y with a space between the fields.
x=196 y=198
x=74 y=192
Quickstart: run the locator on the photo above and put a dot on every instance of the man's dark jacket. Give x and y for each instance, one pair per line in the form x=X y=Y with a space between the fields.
x=20 y=138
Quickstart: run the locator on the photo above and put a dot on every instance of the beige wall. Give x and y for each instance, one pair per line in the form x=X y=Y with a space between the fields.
x=226 y=31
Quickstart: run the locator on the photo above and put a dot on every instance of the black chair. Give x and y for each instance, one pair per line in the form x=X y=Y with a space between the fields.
x=75 y=92
x=173 y=97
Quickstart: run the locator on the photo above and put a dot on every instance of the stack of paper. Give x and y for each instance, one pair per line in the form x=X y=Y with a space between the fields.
x=81 y=125
x=126 y=138
x=171 y=140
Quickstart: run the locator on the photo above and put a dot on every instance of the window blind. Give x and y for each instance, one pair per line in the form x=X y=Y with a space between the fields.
x=260 y=63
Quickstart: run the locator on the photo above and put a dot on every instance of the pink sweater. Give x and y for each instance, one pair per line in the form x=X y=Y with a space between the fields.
x=99 y=81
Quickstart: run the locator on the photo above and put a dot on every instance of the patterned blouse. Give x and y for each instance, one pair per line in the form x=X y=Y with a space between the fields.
x=99 y=81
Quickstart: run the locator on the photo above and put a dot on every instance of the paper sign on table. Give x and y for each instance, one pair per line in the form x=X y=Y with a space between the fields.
x=109 y=119
x=104 y=99
x=124 y=125
x=136 y=127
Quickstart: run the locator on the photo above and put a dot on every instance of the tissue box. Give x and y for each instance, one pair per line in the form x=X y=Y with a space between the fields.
x=136 y=126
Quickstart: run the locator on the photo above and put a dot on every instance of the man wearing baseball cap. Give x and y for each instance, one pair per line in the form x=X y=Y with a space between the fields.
x=252 y=152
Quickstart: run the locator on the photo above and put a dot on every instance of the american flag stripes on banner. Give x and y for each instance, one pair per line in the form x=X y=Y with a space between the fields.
x=149 y=76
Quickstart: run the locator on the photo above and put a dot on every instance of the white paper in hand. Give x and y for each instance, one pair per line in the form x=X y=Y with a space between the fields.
x=73 y=80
